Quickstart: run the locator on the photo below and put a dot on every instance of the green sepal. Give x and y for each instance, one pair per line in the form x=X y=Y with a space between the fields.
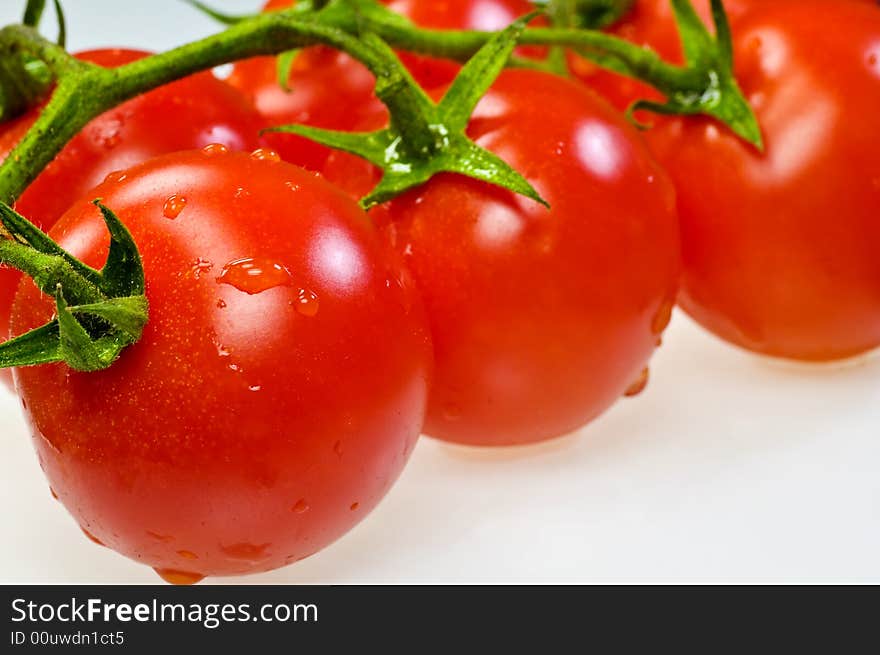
x=110 y=309
x=217 y=15
x=283 y=66
x=62 y=24
x=720 y=96
x=33 y=13
x=426 y=138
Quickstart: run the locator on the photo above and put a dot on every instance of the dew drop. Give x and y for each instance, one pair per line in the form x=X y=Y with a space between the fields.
x=222 y=351
x=215 y=149
x=254 y=275
x=301 y=506
x=91 y=537
x=221 y=304
x=293 y=186
x=255 y=388
x=266 y=154
x=164 y=538
x=872 y=59
x=307 y=303
x=179 y=578
x=639 y=385
x=186 y=554
x=337 y=448
x=200 y=267
x=173 y=206
x=116 y=176
x=241 y=192
x=235 y=368
x=246 y=551
x=354 y=507
x=662 y=318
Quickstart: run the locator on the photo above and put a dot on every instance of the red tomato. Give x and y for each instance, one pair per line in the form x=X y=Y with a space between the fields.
x=540 y=319
x=204 y=109
x=331 y=90
x=780 y=248
x=277 y=391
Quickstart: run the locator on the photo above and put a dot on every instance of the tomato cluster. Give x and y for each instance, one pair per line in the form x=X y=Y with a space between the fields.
x=297 y=346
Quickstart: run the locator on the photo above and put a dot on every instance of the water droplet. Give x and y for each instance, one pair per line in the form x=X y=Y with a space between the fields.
x=662 y=318
x=247 y=552
x=164 y=538
x=354 y=506
x=91 y=537
x=337 y=448
x=179 y=577
x=307 y=303
x=173 y=206
x=241 y=192
x=639 y=385
x=54 y=495
x=254 y=275
x=301 y=506
x=186 y=554
x=293 y=186
x=200 y=267
x=254 y=388
x=221 y=304
x=266 y=154
x=872 y=59
x=235 y=368
x=116 y=176
x=215 y=149
x=222 y=351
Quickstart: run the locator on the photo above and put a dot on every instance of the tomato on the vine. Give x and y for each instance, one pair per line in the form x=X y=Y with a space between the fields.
x=330 y=89
x=780 y=247
x=541 y=319
x=279 y=386
x=190 y=113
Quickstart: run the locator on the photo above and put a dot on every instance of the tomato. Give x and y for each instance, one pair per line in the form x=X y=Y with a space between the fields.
x=541 y=319
x=279 y=386
x=205 y=110
x=331 y=90
x=780 y=248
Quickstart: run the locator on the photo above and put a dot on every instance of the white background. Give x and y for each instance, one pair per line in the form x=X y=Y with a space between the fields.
x=729 y=468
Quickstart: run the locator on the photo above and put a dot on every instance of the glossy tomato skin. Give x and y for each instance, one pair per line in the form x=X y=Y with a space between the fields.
x=204 y=109
x=331 y=90
x=780 y=248
x=540 y=319
x=261 y=415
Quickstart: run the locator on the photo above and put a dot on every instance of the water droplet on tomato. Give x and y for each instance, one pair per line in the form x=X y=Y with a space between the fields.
x=301 y=506
x=221 y=304
x=215 y=149
x=307 y=303
x=662 y=318
x=266 y=154
x=255 y=388
x=354 y=506
x=91 y=537
x=247 y=552
x=293 y=186
x=337 y=448
x=235 y=368
x=200 y=267
x=254 y=275
x=179 y=577
x=186 y=554
x=639 y=385
x=164 y=538
x=452 y=412
x=222 y=351
x=173 y=206
x=241 y=192
x=54 y=495
x=116 y=176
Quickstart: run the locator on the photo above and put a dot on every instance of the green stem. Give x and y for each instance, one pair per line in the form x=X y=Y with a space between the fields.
x=49 y=271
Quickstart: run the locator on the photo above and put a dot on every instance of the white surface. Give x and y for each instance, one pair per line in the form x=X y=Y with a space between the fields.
x=729 y=468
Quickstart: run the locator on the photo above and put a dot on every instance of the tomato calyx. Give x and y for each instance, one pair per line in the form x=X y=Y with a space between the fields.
x=585 y=14
x=98 y=313
x=719 y=96
x=425 y=138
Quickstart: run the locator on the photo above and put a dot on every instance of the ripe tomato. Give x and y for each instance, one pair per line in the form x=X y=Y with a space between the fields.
x=329 y=89
x=540 y=319
x=205 y=110
x=780 y=247
x=279 y=386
